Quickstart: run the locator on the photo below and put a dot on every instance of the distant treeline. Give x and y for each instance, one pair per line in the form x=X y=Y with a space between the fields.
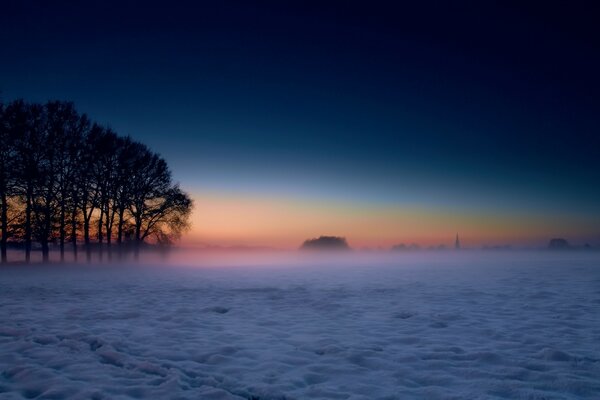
x=325 y=243
x=67 y=180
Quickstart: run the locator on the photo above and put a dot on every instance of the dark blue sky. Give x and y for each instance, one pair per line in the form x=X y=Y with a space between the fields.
x=466 y=106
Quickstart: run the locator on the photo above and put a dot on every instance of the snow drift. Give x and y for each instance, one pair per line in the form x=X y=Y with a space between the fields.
x=421 y=327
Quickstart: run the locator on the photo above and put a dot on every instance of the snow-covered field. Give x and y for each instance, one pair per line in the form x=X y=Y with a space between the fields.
x=475 y=326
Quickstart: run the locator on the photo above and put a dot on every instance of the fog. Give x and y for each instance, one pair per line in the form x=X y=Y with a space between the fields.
x=311 y=260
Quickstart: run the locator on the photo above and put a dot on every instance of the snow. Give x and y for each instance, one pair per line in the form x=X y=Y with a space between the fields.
x=474 y=326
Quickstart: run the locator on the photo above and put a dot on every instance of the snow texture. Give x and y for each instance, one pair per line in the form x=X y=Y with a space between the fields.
x=475 y=327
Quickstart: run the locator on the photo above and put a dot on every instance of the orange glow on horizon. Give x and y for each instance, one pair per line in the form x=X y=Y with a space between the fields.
x=248 y=220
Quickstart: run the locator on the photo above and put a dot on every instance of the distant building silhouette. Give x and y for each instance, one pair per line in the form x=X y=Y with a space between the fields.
x=457 y=243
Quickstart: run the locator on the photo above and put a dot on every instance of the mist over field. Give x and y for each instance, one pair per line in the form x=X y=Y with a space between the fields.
x=252 y=325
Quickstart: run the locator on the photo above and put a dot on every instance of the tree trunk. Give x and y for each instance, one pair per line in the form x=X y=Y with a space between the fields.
x=86 y=235
x=63 y=230
x=4 y=222
x=109 y=225
x=74 y=232
x=120 y=231
x=100 y=219
x=109 y=245
x=138 y=239
x=47 y=230
x=45 y=251
x=28 y=208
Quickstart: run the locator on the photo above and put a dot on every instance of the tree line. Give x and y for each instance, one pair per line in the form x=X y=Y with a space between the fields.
x=69 y=181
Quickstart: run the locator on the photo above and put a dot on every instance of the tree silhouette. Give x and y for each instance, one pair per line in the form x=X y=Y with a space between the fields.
x=7 y=156
x=64 y=178
x=325 y=243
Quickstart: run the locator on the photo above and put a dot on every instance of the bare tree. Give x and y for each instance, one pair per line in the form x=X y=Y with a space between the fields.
x=159 y=209
x=168 y=217
x=104 y=171
x=7 y=157
x=59 y=172
x=26 y=123
x=87 y=185
x=126 y=162
x=69 y=127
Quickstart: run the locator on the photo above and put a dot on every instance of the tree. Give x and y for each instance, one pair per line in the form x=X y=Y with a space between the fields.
x=80 y=126
x=25 y=123
x=69 y=129
x=87 y=184
x=126 y=162
x=7 y=156
x=159 y=209
x=326 y=243
x=63 y=177
x=168 y=217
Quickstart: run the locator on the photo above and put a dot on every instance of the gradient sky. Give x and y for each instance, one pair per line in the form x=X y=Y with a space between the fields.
x=382 y=123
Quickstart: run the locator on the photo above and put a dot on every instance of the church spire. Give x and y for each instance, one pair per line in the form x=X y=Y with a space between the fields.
x=457 y=243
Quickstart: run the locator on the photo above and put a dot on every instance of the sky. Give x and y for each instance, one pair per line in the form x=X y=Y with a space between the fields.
x=384 y=122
